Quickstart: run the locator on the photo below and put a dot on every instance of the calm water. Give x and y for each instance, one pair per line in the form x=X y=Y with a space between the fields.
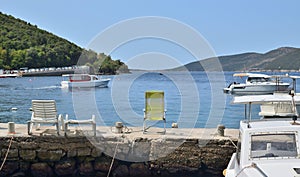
x=192 y=99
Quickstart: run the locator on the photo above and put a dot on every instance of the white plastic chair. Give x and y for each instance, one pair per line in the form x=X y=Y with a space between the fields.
x=68 y=121
x=44 y=112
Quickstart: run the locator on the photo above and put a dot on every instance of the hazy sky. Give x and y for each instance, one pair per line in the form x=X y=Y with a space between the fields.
x=228 y=26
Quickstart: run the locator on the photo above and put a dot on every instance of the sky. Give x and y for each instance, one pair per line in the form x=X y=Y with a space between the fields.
x=227 y=26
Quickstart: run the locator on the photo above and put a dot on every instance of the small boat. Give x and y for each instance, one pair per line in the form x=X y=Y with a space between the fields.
x=10 y=74
x=257 y=84
x=83 y=81
x=268 y=147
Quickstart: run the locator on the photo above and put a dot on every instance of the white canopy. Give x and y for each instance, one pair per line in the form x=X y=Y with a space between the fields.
x=264 y=75
x=250 y=75
x=259 y=99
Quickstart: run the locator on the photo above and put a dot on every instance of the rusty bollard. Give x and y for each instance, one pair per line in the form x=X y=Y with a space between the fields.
x=221 y=129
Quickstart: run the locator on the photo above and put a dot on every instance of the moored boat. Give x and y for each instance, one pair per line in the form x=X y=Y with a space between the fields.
x=10 y=74
x=256 y=84
x=83 y=81
x=269 y=146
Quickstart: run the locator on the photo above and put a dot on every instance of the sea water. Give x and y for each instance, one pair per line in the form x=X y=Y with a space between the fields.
x=192 y=99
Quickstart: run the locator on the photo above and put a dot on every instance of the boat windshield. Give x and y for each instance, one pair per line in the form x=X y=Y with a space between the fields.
x=77 y=78
x=259 y=79
x=274 y=145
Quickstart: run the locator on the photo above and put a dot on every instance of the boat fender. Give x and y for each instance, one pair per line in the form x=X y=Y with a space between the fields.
x=224 y=172
x=174 y=125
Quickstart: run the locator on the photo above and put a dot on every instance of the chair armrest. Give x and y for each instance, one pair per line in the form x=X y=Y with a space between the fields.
x=94 y=118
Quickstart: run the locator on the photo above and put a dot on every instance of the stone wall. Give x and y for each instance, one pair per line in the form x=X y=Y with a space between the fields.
x=77 y=156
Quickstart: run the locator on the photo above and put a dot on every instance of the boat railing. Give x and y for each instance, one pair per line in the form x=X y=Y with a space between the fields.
x=272 y=106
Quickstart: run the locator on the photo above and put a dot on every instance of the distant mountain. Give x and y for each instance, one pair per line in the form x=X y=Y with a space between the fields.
x=284 y=58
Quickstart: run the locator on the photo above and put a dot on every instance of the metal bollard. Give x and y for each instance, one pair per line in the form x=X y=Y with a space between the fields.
x=221 y=129
x=119 y=127
x=11 y=127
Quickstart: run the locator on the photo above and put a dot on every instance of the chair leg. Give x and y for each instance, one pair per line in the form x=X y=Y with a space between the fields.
x=94 y=124
x=66 y=128
x=94 y=129
x=144 y=124
x=57 y=128
x=164 y=126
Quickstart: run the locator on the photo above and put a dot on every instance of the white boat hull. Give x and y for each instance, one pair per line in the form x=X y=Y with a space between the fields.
x=255 y=89
x=9 y=75
x=270 y=168
x=83 y=84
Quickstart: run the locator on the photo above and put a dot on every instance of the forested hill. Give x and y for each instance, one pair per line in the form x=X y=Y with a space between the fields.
x=284 y=58
x=25 y=45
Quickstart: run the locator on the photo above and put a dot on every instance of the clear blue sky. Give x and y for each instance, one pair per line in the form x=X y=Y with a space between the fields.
x=229 y=26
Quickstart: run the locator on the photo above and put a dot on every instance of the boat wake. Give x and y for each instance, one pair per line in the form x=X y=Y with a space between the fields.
x=44 y=88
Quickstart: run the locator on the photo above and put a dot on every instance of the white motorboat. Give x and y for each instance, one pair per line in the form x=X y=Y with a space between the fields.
x=257 y=84
x=269 y=146
x=83 y=81
x=10 y=74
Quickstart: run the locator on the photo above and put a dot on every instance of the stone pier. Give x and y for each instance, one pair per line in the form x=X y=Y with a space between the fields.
x=180 y=152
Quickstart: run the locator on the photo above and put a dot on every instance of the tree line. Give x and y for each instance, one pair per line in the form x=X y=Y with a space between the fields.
x=25 y=45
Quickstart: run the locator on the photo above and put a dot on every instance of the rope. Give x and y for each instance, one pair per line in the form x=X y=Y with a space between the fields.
x=127 y=130
x=113 y=159
x=232 y=142
x=4 y=160
x=253 y=165
x=250 y=166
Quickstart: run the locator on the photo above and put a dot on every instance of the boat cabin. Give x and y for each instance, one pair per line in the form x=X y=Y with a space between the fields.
x=259 y=79
x=80 y=77
x=269 y=146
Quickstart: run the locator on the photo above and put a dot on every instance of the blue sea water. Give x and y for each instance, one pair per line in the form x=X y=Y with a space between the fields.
x=193 y=99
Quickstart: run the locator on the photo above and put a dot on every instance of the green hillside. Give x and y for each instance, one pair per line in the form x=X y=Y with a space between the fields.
x=25 y=45
x=285 y=58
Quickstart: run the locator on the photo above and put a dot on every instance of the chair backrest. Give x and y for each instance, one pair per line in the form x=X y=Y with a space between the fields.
x=45 y=109
x=154 y=105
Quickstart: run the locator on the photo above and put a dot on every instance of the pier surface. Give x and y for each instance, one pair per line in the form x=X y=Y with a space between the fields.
x=179 y=152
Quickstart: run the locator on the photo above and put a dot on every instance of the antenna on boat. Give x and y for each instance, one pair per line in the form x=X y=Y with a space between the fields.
x=248 y=114
x=295 y=116
x=294 y=84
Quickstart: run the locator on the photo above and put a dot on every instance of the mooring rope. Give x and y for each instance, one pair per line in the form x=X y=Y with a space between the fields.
x=253 y=165
x=232 y=142
x=4 y=160
x=113 y=158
